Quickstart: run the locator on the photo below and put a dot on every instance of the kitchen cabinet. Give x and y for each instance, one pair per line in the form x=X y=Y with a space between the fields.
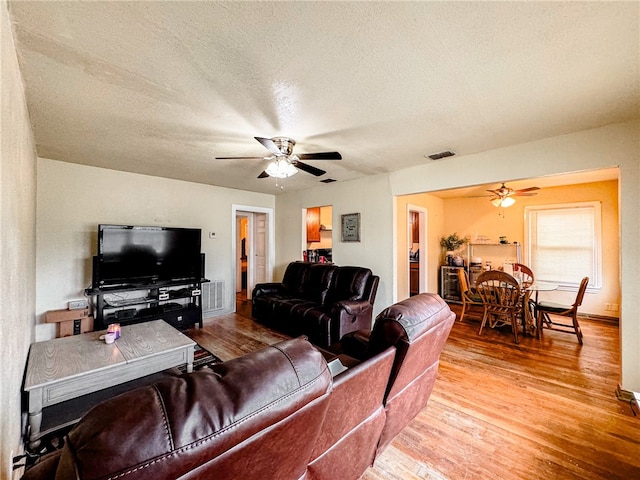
x=415 y=227
x=313 y=224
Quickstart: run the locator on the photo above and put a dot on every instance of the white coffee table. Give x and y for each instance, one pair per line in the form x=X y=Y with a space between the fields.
x=66 y=368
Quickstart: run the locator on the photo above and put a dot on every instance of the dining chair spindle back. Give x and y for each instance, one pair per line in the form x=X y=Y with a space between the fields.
x=525 y=274
x=501 y=297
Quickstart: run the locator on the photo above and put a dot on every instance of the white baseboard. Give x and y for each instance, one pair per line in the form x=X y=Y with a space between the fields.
x=624 y=395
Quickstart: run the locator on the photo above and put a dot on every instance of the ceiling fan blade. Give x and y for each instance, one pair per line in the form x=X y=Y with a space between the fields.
x=269 y=145
x=526 y=190
x=320 y=156
x=308 y=168
x=524 y=194
x=239 y=158
x=263 y=175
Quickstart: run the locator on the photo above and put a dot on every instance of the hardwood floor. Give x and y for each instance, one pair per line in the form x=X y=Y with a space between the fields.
x=543 y=409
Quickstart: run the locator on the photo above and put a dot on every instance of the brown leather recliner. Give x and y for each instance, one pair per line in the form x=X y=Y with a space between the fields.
x=257 y=416
x=319 y=300
x=418 y=328
x=374 y=400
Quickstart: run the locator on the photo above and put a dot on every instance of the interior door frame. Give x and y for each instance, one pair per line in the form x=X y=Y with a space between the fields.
x=241 y=210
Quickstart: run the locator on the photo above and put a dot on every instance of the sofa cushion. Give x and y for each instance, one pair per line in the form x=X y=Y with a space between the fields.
x=294 y=277
x=317 y=281
x=349 y=283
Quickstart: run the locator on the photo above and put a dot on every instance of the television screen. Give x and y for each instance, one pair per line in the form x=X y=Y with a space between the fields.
x=134 y=255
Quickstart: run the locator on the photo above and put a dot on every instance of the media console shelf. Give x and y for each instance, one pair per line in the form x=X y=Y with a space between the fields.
x=177 y=303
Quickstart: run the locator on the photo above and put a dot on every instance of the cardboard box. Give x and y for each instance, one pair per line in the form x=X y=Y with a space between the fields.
x=70 y=322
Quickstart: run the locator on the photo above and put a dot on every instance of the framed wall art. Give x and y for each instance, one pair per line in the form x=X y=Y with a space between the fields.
x=351 y=227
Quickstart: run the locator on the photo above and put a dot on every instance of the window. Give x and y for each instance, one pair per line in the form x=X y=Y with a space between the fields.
x=564 y=243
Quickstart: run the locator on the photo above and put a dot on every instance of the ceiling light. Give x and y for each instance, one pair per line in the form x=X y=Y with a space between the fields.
x=503 y=202
x=281 y=168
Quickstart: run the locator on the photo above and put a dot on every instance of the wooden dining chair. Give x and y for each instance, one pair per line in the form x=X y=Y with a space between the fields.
x=470 y=297
x=525 y=274
x=545 y=310
x=501 y=297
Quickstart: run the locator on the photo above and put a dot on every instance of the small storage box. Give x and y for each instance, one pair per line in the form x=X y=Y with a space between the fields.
x=70 y=322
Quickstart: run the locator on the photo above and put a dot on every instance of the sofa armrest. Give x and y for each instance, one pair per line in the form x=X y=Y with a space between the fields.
x=266 y=289
x=353 y=307
x=349 y=316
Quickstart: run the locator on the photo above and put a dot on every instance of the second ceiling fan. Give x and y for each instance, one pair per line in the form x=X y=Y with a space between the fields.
x=283 y=163
x=502 y=195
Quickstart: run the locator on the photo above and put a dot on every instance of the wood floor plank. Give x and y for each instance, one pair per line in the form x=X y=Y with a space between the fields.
x=542 y=409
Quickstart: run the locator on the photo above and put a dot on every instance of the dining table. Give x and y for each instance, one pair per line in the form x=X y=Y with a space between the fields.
x=529 y=306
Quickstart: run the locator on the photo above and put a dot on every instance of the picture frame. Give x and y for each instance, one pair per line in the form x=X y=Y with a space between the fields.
x=350 y=224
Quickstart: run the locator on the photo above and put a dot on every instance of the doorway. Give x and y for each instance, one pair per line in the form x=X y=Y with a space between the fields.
x=416 y=246
x=317 y=245
x=252 y=250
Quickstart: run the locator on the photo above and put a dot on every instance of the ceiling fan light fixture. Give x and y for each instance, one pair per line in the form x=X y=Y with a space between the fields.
x=503 y=202
x=281 y=168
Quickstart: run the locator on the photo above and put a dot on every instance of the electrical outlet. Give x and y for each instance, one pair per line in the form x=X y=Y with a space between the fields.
x=607 y=307
x=614 y=307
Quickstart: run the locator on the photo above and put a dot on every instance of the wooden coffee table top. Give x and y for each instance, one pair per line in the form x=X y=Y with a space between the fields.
x=77 y=355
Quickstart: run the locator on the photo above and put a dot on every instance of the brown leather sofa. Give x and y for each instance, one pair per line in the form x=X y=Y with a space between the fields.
x=272 y=414
x=319 y=300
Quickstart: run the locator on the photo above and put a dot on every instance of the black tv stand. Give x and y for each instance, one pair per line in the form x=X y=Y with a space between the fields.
x=176 y=302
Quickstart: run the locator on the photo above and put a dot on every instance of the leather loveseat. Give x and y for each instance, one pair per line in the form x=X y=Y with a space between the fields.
x=319 y=300
x=273 y=414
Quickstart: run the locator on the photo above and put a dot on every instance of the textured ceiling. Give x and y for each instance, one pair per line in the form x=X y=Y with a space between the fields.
x=161 y=88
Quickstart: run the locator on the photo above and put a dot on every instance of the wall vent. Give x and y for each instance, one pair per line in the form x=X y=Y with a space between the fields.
x=212 y=296
x=439 y=155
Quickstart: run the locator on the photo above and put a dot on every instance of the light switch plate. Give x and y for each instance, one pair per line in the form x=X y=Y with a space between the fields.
x=77 y=304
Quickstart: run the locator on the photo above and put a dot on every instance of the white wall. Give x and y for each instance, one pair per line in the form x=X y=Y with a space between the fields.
x=17 y=245
x=74 y=199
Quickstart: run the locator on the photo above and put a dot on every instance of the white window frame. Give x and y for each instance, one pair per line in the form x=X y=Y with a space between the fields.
x=530 y=216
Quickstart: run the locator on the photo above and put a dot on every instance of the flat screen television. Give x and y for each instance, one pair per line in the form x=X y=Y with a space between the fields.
x=133 y=255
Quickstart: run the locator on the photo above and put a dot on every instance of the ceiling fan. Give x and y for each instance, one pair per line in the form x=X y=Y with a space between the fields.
x=283 y=163
x=502 y=197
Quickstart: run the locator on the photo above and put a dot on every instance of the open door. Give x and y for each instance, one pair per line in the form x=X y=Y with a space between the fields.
x=253 y=253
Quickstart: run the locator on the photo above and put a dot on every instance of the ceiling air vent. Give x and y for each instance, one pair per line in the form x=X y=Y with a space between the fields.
x=439 y=155
x=328 y=180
